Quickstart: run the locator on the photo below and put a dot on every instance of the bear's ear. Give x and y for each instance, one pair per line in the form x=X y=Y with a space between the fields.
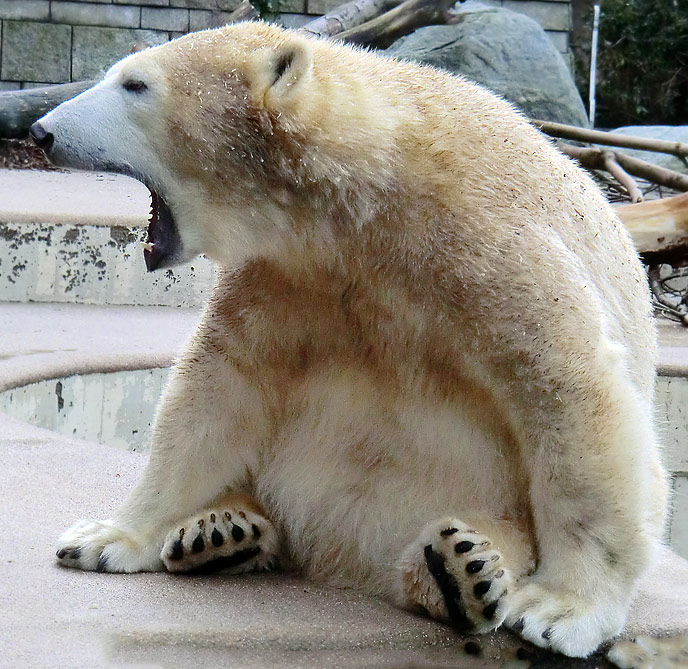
x=279 y=74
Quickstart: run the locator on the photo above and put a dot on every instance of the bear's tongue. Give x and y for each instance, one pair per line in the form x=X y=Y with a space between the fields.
x=163 y=243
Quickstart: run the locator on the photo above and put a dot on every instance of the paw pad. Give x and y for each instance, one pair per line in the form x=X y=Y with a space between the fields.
x=480 y=588
x=463 y=546
x=177 y=552
x=469 y=574
x=475 y=566
x=223 y=540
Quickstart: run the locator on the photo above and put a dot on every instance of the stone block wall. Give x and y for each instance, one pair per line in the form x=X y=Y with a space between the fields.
x=55 y=41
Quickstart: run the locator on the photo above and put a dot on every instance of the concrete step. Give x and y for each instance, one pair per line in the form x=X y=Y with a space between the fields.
x=75 y=237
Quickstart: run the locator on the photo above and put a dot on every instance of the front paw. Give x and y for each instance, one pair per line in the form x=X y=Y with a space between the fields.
x=563 y=621
x=101 y=546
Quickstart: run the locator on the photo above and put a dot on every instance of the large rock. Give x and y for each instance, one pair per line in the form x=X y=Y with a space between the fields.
x=670 y=133
x=508 y=53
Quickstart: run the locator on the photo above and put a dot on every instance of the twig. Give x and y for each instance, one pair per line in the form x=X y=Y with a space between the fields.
x=562 y=131
x=666 y=301
x=623 y=177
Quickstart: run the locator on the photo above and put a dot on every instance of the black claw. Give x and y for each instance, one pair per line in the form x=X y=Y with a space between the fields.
x=198 y=544
x=519 y=625
x=75 y=553
x=475 y=566
x=463 y=546
x=472 y=648
x=102 y=564
x=237 y=533
x=177 y=551
x=479 y=589
x=449 y=531
x=449 y=589
x=547 y=633
x=525 y=654
x=256 y=530
x=217 y=538
x=490 y=610
x=61 y=553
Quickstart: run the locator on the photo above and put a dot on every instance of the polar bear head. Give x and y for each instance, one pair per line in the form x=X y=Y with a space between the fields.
x=212 y=123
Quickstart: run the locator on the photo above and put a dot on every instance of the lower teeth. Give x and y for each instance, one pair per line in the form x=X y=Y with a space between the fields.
x=147 y=246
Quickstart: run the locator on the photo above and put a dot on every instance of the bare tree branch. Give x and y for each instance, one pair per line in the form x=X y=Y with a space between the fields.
x=559 y=130
x=347 y=16
x=594 y=159
x=623 y=177
x=402 y=20
x=244 y=12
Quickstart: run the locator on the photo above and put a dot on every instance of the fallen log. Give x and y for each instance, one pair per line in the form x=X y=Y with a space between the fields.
x=657 y=226
x=19 y=109
x=612 y=166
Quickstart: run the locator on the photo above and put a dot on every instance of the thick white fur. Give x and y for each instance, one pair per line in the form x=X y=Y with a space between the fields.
x=427 y=313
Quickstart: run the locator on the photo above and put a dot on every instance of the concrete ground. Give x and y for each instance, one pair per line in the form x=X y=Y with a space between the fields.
x=59 y=617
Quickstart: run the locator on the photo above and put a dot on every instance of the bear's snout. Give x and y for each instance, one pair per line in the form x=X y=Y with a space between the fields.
x=41 y=136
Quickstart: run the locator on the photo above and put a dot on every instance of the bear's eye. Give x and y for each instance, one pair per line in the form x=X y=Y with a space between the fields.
x=135 y=86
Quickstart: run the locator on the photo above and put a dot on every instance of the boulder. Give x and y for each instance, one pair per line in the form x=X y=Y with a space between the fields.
x=508 y=53
x=670 y=133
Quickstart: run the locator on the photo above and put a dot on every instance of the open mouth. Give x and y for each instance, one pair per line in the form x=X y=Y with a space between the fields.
x=162 y=247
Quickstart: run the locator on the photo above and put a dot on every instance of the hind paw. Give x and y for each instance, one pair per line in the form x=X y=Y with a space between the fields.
x=233 y=540
x=455 y=574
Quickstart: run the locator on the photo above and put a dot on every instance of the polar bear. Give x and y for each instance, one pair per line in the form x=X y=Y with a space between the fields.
x=427 y=369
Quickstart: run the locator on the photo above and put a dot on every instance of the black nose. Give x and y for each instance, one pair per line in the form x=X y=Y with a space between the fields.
x=41 y=136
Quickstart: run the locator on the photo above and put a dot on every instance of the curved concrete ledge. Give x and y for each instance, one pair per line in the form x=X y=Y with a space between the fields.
x=50 y=341
x=114 y=408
